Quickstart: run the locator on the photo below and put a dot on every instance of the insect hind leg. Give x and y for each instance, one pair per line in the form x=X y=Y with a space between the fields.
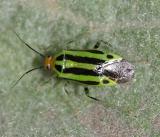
x=86 y=90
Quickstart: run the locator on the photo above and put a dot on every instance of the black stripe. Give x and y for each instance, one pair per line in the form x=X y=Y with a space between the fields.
x=91 y=51
x=80 y=71
x=95 y=51
x=89 y=82
x=86 y=82
x=80 y=59
x=58 y=68
x=60 y=58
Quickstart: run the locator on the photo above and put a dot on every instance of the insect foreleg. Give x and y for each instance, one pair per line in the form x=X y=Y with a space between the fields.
x=98 y=43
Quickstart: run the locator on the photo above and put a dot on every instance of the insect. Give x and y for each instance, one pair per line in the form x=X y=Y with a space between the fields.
x=88 y=67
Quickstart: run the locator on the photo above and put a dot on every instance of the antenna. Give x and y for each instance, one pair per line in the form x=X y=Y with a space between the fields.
x=28 y=45
x=25 y=74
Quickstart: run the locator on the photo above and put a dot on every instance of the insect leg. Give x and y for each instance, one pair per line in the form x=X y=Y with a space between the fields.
x=86 y=90
x=69 y=42
x=97 y=45
x=65 y=89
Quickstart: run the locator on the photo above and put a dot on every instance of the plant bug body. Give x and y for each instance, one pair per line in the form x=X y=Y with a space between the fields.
x=90 y=67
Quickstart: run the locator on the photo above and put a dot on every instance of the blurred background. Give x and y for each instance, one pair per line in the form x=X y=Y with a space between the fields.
x=38 y=105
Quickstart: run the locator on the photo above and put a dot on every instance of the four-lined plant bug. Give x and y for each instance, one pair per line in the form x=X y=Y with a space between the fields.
x=89 y=67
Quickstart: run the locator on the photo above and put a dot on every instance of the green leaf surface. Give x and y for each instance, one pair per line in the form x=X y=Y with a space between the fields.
x=38 y=105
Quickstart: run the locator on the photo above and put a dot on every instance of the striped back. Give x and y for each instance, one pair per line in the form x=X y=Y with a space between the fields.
x=81 y=66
